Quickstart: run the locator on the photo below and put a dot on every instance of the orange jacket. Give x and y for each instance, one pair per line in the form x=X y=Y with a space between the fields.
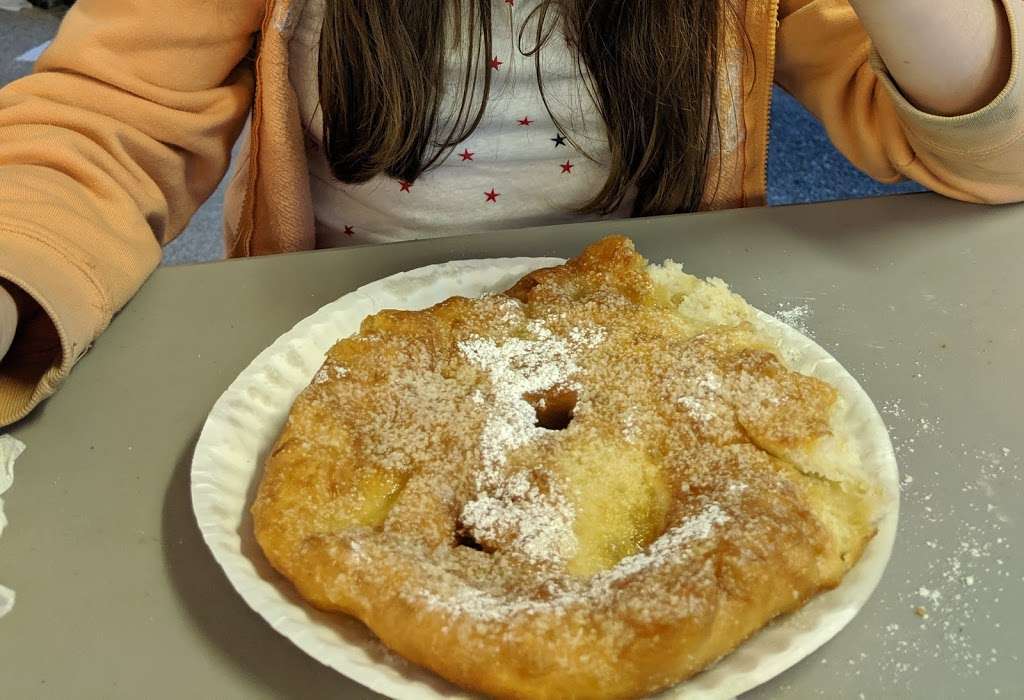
x=127 y=123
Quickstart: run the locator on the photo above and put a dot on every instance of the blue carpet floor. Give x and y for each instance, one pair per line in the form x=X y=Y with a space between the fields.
x=803 y=166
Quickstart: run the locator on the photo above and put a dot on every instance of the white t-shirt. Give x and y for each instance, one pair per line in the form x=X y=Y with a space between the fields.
x=514 y=170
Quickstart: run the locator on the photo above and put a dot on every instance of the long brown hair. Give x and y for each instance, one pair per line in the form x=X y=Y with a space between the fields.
x=650 y=66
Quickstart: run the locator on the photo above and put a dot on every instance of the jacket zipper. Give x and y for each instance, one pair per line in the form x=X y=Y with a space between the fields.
x=248 y=207
x=770 y=83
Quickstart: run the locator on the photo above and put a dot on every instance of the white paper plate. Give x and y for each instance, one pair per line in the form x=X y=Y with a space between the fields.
x=247 y=418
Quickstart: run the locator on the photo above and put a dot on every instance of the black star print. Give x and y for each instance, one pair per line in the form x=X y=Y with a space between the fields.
x=559 y=140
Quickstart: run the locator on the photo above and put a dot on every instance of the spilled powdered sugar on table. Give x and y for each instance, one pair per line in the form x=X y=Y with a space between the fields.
x=937 y=612
x=941 y=608
x=794 y=315
x=966 y=579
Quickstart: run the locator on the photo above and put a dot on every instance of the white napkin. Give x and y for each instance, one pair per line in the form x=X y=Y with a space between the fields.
x=10 y=449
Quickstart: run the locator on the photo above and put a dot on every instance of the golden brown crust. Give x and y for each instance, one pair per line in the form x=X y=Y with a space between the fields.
x=569 y=490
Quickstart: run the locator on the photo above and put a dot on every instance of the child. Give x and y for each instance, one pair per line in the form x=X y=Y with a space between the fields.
x=380 y=120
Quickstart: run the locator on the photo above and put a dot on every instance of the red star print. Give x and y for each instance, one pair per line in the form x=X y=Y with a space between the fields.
x=495 y=63
x=467 y=155
x=510 y=2
x=567 y=167
x=348 y=231
x=405 y=185
x=492 y=196
x=526 y=121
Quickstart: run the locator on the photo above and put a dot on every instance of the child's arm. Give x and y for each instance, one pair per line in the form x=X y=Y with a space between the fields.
x=106 y=151
x=947 y=56
x=826 y=59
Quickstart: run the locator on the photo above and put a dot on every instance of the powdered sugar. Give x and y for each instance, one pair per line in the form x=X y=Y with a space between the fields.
x=696 y=408
x=517 y=514
x=670 y=545
x=795 y=316
x=596 y=591
x=710 y=382
x=963 y=575
x=510 y=508
x=630 y=427
x=325 y=374
x=700 y=402
x=518 y=367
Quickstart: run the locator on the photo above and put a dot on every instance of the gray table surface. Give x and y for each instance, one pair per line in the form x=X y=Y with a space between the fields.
x=921 y=298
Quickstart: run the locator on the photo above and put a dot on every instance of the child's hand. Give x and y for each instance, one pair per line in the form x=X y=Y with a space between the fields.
x=8 y=321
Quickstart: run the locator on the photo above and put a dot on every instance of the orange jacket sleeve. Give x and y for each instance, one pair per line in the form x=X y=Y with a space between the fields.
x=825 y=59
x=106 y=151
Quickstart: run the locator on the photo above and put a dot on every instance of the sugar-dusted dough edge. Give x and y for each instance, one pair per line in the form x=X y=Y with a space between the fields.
x=712 y=303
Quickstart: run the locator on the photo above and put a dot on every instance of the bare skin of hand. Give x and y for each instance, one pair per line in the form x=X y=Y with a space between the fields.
x=949 y=57
x=8 y=321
